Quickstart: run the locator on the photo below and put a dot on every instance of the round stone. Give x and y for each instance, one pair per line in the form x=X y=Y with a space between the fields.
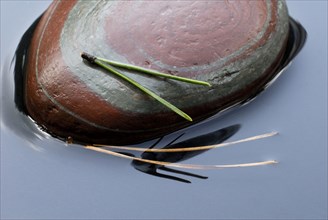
x=236 y=46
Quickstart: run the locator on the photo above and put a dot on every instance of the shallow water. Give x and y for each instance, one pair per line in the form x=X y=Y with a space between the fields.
x=42 y=177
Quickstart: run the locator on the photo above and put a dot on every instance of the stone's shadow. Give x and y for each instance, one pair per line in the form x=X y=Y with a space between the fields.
x=215 y=137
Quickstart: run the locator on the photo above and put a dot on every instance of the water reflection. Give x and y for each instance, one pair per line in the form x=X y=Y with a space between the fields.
x=295 y=42
x=21 y=60
x=212 y=138
x=14 y=114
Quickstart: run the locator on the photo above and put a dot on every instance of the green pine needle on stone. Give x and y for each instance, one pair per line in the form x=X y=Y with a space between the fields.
x=94 y=60
x=153 y=72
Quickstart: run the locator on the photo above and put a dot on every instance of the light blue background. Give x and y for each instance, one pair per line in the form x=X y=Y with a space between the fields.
x=48 y=180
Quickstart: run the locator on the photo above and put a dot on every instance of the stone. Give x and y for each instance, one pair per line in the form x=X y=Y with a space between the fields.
x=236 y=46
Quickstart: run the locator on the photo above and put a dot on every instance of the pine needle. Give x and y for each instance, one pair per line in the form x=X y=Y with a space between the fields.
x=153 y=72
x=253 y=138
x=95 y=60
x=178 y=165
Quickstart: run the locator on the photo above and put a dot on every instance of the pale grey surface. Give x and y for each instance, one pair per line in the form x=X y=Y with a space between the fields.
x=48 y=180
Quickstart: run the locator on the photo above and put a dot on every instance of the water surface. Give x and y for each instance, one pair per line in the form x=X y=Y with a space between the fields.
x=42 y=178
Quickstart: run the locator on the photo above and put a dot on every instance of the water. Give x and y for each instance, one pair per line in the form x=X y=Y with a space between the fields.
x=42 y=177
